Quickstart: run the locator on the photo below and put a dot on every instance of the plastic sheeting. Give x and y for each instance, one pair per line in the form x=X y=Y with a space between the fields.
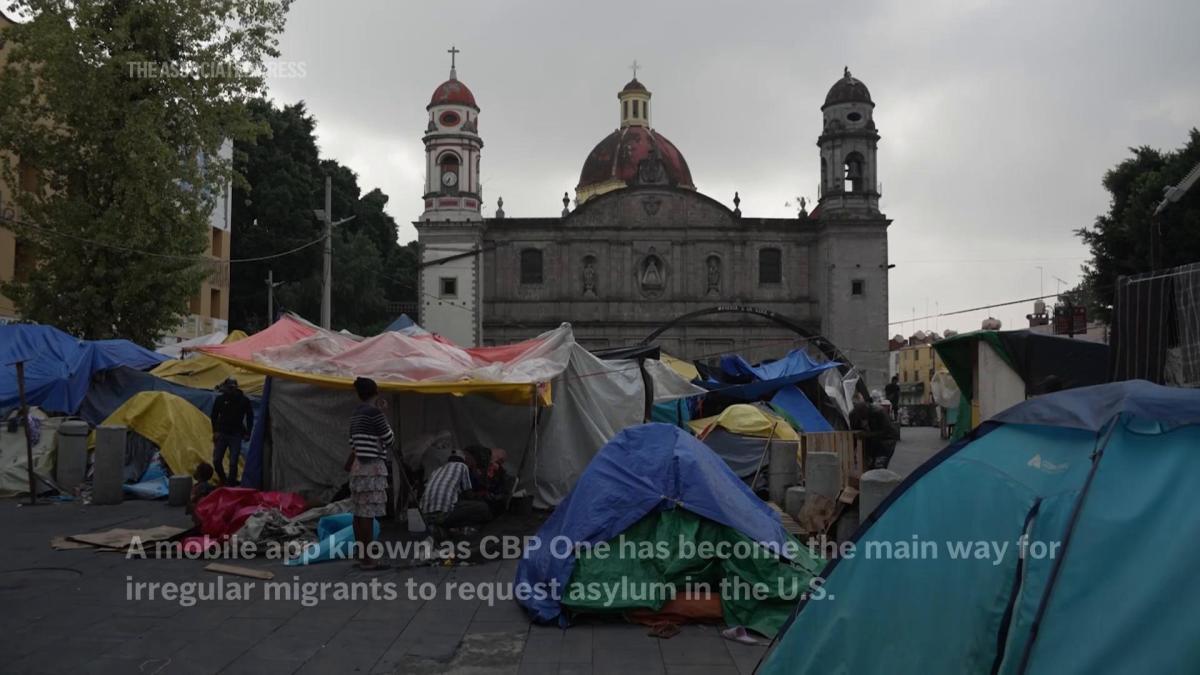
x=177 y=349
x=182 y=433
x=767 y=378
x=643 y=469
x=593 y=400
x=206 y=372
x=799 y=410
x=14 y=475
x=225 y=510
x=746 y=420
x=59 y=367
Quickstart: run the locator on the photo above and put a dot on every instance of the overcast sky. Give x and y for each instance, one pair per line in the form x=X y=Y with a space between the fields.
x=998 y=119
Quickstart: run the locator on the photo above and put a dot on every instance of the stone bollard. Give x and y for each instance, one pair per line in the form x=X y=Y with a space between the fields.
x=108 y=474
x=875 y=486
x=823 y=474
x=783 y=470
x=179 y=490
x=71 y=460
x=794 y=501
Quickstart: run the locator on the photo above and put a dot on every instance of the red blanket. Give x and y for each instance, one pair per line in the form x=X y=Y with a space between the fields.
x=225 y=510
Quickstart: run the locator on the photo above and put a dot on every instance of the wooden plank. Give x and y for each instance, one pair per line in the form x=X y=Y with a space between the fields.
x=238 y=570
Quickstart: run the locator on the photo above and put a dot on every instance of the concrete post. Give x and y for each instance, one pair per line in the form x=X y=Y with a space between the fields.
x=823 y=474
x=71 y=462
x=875 y=485
x=109 y=465
x=793 y=501
x=783 y=470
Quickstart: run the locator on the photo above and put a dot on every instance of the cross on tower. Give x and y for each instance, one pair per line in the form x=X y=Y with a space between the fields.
x=634 y=67
x=453 y=51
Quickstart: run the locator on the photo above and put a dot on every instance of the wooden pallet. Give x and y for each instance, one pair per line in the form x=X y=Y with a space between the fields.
x=789 y=523
x=848 y=446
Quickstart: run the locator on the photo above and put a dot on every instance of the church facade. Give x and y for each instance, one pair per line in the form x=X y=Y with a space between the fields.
x=642 y=245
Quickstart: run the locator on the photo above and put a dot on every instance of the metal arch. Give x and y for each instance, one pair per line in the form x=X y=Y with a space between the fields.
x=827 y=348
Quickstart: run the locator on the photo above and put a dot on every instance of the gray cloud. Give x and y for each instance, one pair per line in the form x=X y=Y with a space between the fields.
x=998 y=119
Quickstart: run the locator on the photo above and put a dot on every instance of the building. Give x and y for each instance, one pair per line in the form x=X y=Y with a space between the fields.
x=916 y=365
x=643 y=245
x=209 y=308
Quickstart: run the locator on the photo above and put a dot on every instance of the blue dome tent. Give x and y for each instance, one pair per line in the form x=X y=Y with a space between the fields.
x=1063 y=537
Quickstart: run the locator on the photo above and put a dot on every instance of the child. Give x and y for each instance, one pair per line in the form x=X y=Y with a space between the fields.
x=201 y=485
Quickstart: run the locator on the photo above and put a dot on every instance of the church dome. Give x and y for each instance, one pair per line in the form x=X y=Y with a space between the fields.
x=848 y=90
x=615 y=160
x=452 y=92
x=634 y=85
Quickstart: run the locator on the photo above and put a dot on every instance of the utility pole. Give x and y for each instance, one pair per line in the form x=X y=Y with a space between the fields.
x=327 y=279
x=271 y=286
x=326 y=216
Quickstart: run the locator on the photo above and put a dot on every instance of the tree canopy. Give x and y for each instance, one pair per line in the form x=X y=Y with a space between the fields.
x=273 y=212
x=1120 y=239
x=120 y=108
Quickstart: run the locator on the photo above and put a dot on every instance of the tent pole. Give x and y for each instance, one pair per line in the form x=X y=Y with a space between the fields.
x=23 y=416
x=530 y=445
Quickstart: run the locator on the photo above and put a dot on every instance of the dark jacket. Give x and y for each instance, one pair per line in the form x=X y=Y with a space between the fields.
x=232 y=413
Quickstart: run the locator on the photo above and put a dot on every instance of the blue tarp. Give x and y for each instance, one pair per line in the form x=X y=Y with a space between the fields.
x=335 y=534
x=766 y=378
x=642 y=469
x=403 y=321
x=1117 y=595
x=796 y=405
x=58 y=367
x=112 y=388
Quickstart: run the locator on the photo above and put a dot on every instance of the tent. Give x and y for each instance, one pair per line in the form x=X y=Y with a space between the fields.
x=739 y=435
x=177 y=350
x=654 y=483
x=997 y=369
x=1091 y=491
x=547 y=401
x=182 y=433
x=112 y=388
x=759 y=381
x=206 y=372
x=59 y=367
x=14 y=460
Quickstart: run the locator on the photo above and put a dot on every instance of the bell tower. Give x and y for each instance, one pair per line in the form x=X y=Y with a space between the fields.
x=450 y=228
x=849 y=185
x=452 y=145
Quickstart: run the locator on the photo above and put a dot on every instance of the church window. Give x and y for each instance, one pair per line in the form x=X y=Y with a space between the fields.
x=449 y=287
x=646 y=110
x=854 y=173
x=625 y=108
x=857 y=287
x=635 y=108
x=770 y=266
x=531 y=266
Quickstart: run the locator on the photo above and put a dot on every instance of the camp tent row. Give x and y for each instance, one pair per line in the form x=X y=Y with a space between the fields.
x=547 y=401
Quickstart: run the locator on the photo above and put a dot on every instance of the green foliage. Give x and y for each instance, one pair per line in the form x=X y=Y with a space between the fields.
x=1120 y=239
x=127 y=154
x=274 y=212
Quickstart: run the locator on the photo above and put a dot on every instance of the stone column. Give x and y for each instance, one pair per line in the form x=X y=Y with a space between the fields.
x=875 y=485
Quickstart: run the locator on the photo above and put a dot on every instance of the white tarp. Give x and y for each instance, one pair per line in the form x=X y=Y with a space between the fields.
x=593 y=400
x=175 y=351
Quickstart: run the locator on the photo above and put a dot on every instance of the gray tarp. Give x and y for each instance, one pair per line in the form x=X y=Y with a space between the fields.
x=593 y=400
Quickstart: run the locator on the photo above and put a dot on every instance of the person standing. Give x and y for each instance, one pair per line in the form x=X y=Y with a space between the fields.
x=371 y=440
x=232 y=420
x=892 y=393
x=880 y=434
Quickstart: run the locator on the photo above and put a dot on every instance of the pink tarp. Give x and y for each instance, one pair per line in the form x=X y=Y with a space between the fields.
x=225 y=510
x=288 y=330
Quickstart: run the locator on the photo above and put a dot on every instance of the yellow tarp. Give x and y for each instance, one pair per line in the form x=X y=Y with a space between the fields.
x=182 y=433
x=205 y=372
x=746 y=420
x=683 y=368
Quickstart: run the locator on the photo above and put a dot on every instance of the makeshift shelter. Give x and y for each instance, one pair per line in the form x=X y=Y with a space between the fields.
x=656 y=484
x=195 y=369
x=14 y=460
x=110 y=390
x=178 y=350
x=995 y=370
x=740 y=435
x=182 y=433
x=58 y=367
x=547 y=401
x=1091 y=494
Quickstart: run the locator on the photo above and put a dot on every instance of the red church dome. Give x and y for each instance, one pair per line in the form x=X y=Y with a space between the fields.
x=617 y=157
x=452 y=92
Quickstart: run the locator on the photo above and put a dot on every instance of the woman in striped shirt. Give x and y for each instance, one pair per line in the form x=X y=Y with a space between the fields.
x=371 y=439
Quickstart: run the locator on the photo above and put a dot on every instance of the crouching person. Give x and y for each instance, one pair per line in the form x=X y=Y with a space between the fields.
x=452 y=496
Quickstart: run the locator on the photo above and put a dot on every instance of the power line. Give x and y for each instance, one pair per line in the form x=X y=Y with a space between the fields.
x=155 y=254
x=973 y=309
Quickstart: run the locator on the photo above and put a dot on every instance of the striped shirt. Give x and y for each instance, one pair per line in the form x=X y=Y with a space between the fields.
x=445 y=485
x=370 y=434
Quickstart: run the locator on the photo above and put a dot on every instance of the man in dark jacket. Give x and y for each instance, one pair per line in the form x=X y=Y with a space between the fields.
x=232 y=420
x=879 y=433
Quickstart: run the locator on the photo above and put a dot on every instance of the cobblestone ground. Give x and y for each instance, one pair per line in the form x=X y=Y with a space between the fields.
x=68 y=612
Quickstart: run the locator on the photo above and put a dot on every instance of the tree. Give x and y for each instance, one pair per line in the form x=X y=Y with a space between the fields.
x=273 y=212
x=122 y=107
x=1120 y=239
